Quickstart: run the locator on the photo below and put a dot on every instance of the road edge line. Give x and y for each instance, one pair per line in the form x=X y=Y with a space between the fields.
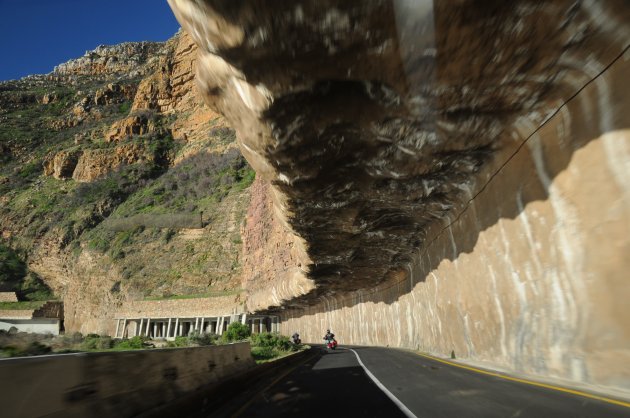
x=382 y=387
x=529 y=382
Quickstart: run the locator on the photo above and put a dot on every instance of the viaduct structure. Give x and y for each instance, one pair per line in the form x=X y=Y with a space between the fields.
x=167 y=319
x=169 y=328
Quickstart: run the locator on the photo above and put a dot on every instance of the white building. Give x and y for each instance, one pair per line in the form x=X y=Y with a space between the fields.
x=46 y=319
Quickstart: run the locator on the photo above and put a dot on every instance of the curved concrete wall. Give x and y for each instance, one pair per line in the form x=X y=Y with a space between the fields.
x=532 y=275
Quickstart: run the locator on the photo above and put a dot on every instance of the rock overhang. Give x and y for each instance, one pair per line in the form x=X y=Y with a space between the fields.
x=373 y=120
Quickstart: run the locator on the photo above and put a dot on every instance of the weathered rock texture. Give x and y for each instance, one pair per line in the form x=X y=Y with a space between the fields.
x=271 y=256
x=129 y=58
x=62 y=164
x=447 y=191
x=132 y=141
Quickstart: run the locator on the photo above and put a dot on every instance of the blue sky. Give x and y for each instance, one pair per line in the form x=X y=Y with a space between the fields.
x=36 y=35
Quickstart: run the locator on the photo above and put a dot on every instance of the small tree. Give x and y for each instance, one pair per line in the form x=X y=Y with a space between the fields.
x=236 y=332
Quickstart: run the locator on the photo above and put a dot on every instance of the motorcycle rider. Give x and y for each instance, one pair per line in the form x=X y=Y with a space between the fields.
x=329 y=336
x=296 y=338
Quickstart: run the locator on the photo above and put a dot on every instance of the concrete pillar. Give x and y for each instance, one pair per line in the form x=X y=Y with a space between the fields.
x=244 y=318
x=148 y=330
x=220 y=326
x=139 y=330
x=117 y=326
x=260 y=326
x=181 y=329
x=124 y=325
x=251 y=324
x=176 y=327
x=168 y=328
x=155 y=327
x=196 y=324
x=202 y=329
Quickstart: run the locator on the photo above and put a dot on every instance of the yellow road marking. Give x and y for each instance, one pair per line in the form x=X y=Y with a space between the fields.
x=530 y=382
x=255 y=397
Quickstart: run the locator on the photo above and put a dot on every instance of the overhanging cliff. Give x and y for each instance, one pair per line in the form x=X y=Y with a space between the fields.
x=443 y=175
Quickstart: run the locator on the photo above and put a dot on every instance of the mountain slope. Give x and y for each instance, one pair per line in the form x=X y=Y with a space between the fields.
x=117 y=184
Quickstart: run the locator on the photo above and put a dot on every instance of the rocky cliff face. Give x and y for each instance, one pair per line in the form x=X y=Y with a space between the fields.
x=129 y=60
x=106 y=165
x=415 y=198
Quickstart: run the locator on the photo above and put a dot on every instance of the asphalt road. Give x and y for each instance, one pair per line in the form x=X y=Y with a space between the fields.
x=334 y=384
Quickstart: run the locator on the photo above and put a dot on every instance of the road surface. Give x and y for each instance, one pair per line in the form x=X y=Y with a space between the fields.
x=335 y=384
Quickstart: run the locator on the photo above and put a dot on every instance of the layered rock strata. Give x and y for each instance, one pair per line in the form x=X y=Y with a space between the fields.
x=140 y=155
x=436 y=180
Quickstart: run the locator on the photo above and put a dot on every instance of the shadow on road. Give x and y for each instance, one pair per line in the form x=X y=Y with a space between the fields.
x=331 y=384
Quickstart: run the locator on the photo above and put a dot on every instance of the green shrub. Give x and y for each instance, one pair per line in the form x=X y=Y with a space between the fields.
x=264 y=353
x=99 y=244
x=36 y=349
x=12 y=268
x=180 y=341
x=105 y=343
x=236 y=332
x=272 y=340
x=90 y=342
x=204 y=339
x=124 y=107
x=9 y=351
x=34 y=289
x=133 y=343
x=97 y=342
x=32 y=169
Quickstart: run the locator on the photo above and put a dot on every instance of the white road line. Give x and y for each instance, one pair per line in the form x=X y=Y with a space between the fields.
x=382 y=387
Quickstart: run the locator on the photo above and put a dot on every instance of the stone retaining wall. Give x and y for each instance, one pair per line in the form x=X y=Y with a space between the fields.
x=171 y=308
x=16 y=313
x=8 y=297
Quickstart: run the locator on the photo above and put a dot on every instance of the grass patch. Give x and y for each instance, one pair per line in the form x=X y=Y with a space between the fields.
x=196 y=296
x=22 y=306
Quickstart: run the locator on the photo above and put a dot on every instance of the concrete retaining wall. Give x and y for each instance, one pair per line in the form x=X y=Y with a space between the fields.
x=120 y=384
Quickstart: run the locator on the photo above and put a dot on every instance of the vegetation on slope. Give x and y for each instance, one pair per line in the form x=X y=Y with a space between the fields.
x=14 y=277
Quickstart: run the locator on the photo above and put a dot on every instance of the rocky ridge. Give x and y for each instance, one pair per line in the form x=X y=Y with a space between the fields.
x=131 y=154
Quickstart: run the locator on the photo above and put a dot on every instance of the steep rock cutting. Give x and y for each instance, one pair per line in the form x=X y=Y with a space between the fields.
x=372 y=119
x=432 y=170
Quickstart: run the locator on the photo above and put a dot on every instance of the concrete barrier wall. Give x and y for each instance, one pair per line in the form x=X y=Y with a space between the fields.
x=120 y=384
x=533 y=275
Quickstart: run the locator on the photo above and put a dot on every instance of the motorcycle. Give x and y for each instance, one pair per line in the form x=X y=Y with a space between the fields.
x=331 y=344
